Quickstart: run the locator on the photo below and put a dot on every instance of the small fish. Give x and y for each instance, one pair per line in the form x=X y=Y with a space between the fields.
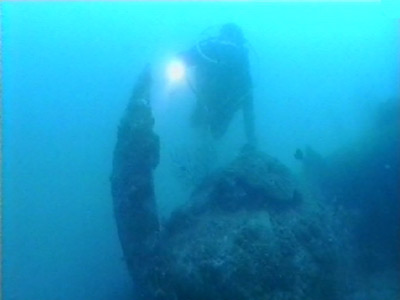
x=298 y=154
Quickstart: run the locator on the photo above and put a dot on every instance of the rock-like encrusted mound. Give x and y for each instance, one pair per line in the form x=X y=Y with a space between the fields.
x=246 y=235
x=253 y=181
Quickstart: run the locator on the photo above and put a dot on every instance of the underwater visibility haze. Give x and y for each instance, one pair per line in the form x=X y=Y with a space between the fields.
x=101 y=203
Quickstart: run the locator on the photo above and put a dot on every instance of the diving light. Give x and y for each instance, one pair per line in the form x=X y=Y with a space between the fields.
x=176 y=70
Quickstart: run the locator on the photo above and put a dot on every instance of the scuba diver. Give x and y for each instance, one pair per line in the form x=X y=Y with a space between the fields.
x=222 y=82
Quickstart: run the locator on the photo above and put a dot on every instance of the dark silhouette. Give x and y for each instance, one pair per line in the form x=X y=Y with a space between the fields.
x=222 y=82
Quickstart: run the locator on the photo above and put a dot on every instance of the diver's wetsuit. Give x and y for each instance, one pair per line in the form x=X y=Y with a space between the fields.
x=222 y=85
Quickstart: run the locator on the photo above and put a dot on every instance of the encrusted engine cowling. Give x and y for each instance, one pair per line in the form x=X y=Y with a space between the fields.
x=244 y=237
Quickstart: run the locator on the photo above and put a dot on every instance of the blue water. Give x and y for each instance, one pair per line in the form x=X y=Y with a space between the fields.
x=68 y=70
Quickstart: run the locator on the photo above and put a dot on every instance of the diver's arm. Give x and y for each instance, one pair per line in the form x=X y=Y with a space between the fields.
x=248 y=108
x=189 y=57
x=248 y=119
x=203 y=51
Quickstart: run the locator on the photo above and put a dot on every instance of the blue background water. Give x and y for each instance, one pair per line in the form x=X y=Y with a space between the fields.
x=68 y=71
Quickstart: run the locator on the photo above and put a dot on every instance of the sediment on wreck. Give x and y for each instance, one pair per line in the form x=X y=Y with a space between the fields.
x=248 y=234
x=136 y=155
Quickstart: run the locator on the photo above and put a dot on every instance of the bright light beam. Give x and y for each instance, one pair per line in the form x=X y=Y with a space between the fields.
x=176 y=71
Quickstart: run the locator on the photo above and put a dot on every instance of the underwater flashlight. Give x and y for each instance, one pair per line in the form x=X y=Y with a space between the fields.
x=176 y=70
